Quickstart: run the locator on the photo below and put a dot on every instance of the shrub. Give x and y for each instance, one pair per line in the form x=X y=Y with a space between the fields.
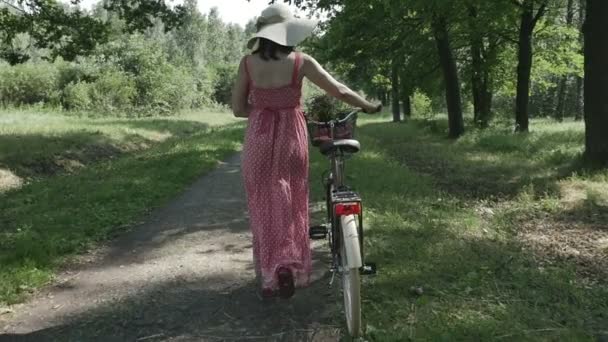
x=28 y=84
x=113 y=90
x=225 y=76
x=166 y=88
x=70 y=72
x=77 y=96
x=422 y=105
x=204 y=79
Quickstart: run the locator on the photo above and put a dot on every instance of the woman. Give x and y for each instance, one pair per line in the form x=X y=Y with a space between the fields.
x=268 y=91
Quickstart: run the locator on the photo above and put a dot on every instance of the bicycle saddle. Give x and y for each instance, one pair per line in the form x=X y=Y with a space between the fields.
x=342 y=145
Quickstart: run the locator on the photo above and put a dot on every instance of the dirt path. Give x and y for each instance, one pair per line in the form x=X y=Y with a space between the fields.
x=185 y=275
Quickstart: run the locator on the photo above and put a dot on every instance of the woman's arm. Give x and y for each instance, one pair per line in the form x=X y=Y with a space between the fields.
x=240 y=93
x=319 y=76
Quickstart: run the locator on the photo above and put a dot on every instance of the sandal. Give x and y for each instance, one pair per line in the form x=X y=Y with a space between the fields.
x=286 y=283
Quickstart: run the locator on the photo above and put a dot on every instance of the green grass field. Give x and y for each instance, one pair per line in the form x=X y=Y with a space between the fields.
x=82 y=180
x=505 y=234
x=506 y=240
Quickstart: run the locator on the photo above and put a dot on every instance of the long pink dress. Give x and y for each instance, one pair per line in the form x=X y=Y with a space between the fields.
x=275 y=172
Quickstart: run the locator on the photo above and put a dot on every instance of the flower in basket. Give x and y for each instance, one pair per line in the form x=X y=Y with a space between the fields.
x=323 y=108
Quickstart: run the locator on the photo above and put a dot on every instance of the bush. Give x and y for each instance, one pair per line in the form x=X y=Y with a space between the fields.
x=70 y=72
x=225 y=76
x=77 y=96
x=205 y=87
x=166 y=88
x=422 y=105
x=28 y=84
x=113 y=90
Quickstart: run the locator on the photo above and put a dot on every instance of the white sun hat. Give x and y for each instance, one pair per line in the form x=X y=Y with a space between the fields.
x=278 y=24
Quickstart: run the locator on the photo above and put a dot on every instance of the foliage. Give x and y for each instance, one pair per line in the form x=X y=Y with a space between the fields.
x=324 y=108
x=68 y=31
x=77 y=96
x=422 y=105
x=161 y=70
x=29 y=84
x=225 y=76
x=113 y=90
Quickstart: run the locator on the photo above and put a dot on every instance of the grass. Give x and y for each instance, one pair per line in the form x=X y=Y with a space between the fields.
x=60 y=211
x=481 y=225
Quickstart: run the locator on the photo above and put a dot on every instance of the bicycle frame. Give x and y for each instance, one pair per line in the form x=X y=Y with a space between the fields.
x=336 y=193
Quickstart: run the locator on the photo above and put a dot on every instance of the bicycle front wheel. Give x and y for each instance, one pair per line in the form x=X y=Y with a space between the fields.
x=350 y=256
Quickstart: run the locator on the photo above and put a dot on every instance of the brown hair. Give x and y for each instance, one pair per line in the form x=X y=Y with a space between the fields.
x=267 y=49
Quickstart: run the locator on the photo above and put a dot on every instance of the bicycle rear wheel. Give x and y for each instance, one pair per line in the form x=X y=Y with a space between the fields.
x=350 y=256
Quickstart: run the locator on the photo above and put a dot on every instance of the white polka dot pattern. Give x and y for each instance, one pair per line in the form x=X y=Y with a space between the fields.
x=275 y=172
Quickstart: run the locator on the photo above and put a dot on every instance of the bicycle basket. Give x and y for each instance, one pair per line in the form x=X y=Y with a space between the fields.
x=321 y=132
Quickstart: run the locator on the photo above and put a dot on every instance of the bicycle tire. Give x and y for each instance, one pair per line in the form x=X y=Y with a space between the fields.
x=351 y=278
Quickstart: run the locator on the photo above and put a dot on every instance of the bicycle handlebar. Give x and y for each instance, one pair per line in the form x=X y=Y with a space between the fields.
x=336 y=121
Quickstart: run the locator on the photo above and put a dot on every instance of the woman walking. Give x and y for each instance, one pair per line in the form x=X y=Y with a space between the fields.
x=268 y=91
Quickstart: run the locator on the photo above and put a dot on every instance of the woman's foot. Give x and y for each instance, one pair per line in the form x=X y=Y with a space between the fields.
x=286 y=283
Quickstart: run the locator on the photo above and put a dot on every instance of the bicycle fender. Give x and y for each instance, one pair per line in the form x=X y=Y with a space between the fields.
x=350 y=237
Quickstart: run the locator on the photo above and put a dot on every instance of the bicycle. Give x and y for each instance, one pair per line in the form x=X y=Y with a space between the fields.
x=344 y=227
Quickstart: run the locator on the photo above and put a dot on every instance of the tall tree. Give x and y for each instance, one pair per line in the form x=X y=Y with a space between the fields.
x=563 y=82
x=484 y=43
x=596 y=81
x=450 y=75
x=395 y=97
x=530 y=14
x=68 y=31
x=578 y=100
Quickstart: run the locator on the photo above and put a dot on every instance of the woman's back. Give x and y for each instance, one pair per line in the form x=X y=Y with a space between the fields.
x=274 y=83
x=273 y=73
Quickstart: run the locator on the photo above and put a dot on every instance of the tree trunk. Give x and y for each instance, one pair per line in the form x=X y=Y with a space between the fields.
x=395 y=92
x=406 y=93
x=596 y=82
x=407 y=104
x=563 y=82
x=383 y=98
x=476 y=67
x=561 y=92
x=578 y=101
x=450 y=75
x=524 y=67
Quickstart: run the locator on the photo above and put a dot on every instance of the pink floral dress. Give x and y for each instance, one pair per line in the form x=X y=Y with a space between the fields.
x=275 y=172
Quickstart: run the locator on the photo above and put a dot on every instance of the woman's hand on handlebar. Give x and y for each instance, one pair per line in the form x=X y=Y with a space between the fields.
x=372 y=109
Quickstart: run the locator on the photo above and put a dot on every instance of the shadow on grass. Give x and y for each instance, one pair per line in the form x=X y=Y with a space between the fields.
x=489 y=165
x=478 y=283
x=206 y=309
x=177 y=128
x=40 y=155
x=33 y=155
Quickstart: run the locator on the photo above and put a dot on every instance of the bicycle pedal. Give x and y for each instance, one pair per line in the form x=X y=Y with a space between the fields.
x=368 y=269
x=318 y=232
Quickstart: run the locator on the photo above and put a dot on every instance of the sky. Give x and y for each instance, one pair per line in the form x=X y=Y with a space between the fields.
x=231 y=11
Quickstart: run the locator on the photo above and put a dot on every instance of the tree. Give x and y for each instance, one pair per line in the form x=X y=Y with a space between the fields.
x=561 y=100
x=450 y=75
x=395 y=97
x=578 y=101
x=530 y=14
x=596 y=82
x=68 y=31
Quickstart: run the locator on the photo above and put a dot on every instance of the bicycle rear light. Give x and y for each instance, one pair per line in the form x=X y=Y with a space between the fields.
x=344 y=209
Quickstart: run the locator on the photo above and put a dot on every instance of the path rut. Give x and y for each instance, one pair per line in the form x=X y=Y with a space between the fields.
x=186 y=274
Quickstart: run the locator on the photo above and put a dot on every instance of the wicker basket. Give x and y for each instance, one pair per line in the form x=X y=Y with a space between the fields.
x=321 y=132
